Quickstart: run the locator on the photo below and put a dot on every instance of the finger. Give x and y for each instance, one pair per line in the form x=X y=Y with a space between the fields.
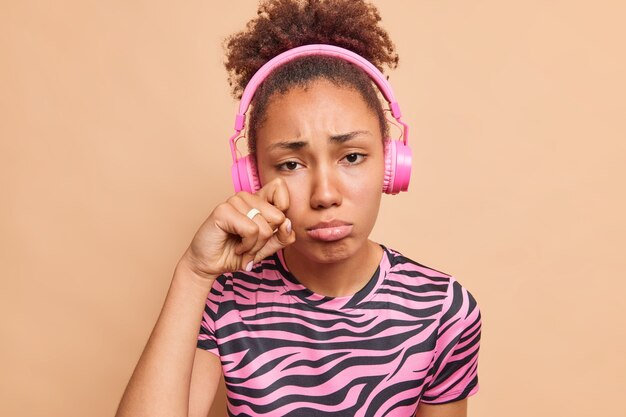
x=272 y=215
x=245 y=202
x=276 y=193
x=264 y=229
x=283 y=237
x=264 y=234
x=233 y=222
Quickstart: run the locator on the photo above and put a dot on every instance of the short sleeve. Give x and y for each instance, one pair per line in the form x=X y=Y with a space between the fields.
x=455 y=368
x=206 y=336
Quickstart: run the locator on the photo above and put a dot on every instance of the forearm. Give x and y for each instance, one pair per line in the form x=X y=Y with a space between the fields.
x=160 y=383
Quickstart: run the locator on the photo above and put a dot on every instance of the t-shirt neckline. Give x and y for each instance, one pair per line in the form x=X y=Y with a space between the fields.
x=344 y=303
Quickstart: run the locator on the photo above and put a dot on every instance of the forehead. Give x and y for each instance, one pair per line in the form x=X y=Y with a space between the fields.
x=321 y=108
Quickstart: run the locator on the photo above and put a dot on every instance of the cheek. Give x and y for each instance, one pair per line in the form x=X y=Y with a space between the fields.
x=367 y=199
x=363 y=184
x=365 y=195
x=366 y=185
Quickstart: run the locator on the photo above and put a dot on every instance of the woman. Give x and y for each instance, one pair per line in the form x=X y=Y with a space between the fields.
x=304 y=314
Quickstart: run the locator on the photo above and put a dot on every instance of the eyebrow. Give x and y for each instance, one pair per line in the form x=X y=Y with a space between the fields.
x=299 y=144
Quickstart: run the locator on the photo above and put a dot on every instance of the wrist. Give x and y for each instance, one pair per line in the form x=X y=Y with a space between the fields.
x=187 y=271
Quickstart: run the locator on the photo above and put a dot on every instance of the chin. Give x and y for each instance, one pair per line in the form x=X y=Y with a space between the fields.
x=327 y=252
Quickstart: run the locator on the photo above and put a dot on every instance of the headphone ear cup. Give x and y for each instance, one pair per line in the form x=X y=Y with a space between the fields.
x=398 y=159
x=390 y=165
x=245 y=175
x=253 y=174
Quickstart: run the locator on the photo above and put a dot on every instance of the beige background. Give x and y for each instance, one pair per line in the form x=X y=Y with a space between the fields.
x=114 y=126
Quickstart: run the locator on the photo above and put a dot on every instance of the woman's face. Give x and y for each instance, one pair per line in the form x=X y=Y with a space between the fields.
x=325 y=142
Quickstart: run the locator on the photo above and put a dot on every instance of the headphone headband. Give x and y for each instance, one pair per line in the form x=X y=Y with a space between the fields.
x=314 y=49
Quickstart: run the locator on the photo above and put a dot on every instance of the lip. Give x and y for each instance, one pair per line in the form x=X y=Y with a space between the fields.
x=329 y=231
x=328 y=224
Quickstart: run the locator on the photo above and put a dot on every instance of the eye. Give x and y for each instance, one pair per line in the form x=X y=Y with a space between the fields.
x=288 y=166
x=354 y=158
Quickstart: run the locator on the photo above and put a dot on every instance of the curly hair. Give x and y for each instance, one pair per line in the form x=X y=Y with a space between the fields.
x=281 y=25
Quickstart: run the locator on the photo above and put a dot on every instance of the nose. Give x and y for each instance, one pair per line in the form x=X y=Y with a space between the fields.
x=325 y=187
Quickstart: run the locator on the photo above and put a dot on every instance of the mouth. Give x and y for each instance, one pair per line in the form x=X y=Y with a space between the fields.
x=329 y=231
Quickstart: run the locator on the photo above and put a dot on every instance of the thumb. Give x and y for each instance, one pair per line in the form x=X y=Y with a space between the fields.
x=283 y=237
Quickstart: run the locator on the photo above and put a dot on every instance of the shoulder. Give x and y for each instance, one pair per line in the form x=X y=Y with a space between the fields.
x=414 y=276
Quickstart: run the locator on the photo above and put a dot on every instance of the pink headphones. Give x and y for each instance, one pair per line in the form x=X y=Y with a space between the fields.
x=398 y=154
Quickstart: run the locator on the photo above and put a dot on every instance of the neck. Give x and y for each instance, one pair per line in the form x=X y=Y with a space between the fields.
x=335 y=279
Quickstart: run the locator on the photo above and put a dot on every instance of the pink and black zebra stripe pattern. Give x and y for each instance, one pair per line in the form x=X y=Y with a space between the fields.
x=411 y=334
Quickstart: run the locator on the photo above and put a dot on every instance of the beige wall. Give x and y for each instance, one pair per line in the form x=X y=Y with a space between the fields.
x=113 y=149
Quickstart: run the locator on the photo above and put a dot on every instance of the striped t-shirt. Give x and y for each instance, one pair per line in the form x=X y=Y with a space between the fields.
x=411 y=334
